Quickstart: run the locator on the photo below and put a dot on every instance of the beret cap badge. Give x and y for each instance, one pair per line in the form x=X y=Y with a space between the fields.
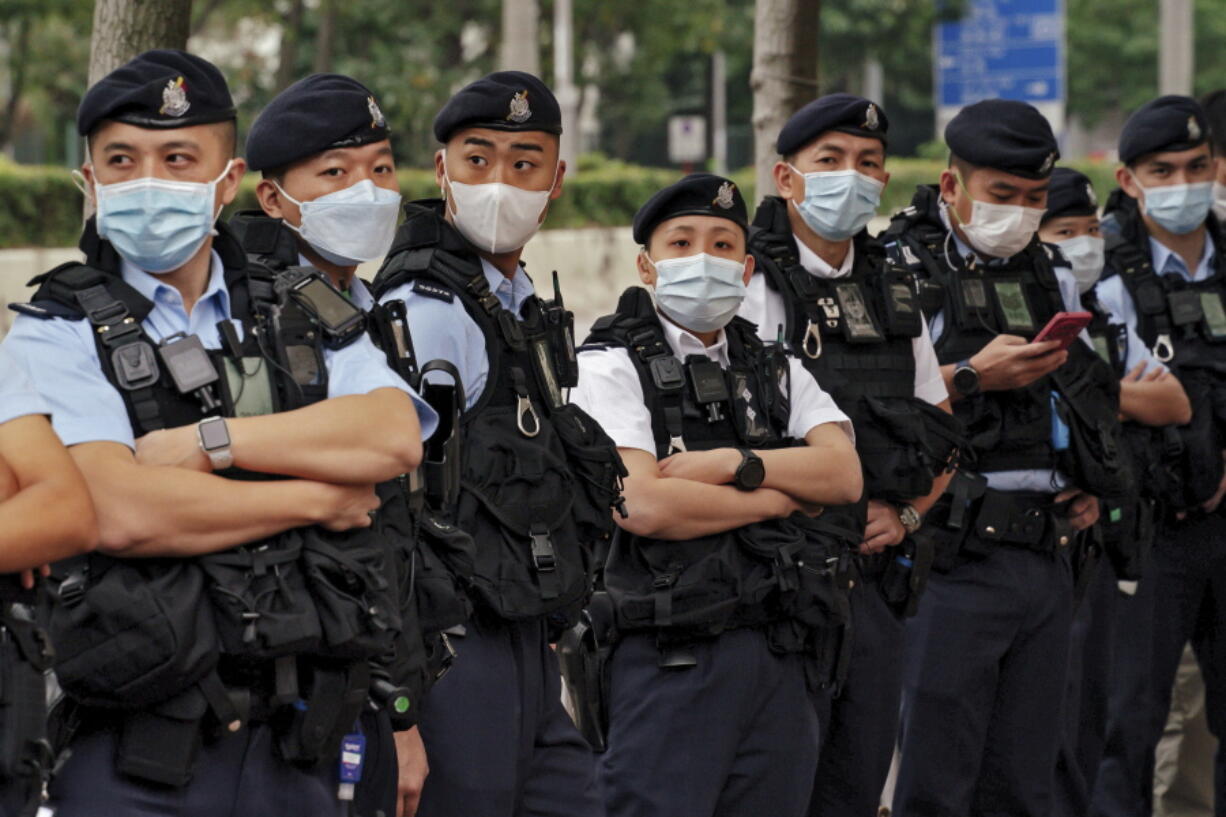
x=519 y=111
x=1091 y=195
x=723 y=198
x=1194 y=132
x=174 y=98
x=376 y=115
x=871 y=120
x=1049 y=162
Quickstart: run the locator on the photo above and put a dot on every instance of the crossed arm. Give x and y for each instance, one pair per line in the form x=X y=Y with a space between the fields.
x=690 y=494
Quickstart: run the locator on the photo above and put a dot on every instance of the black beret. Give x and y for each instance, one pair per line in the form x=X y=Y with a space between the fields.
x=699 y=194
x=1070 y=193
x=315 y=114
x=847 y=113
x=158 y=89
x=504 y=100
x=1004 y=134
x=1167 y=123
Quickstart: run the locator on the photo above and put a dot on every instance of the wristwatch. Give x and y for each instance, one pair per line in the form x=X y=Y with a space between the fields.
x=966 y=379
x=215 y=441
x=751 y=471
x=909 y=517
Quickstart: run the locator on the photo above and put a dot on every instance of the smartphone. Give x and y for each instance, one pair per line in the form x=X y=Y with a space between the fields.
x=1064 y=327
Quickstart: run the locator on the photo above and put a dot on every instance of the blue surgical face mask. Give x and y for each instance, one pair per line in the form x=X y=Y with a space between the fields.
x=699 y=292
x=838 y=203
x=157 y=224
x=1178 y=208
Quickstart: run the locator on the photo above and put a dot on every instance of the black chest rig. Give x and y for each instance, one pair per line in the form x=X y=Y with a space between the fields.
x=855 y=335
x=296 y=616
x=1012 y=430
x=1183 y=324
x=536 y=477
x=784 y=574
x=25 y=652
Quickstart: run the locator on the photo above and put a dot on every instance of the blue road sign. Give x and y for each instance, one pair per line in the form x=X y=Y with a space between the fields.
x=1012 y=49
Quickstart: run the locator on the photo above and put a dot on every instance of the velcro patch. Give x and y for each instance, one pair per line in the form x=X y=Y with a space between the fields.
x=432 y=290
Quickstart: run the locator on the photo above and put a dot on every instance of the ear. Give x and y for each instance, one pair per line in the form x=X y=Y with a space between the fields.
x=228 y=186
x=949 y=186
x=647 y=272
x=269 y=196
x=1127 y=182
x=885 y=183
x=440 y=169
x=749 y=264
x=557 y=185
x=784 y=177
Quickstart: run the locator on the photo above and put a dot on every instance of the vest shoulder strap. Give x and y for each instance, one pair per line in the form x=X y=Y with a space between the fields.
x=1136 y=270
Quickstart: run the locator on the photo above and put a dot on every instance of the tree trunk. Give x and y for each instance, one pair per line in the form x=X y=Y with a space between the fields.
x=291 y=33
x=784 y=75
x=18 y=60
x=125 y=28
x=325 y=35
x=520 y=47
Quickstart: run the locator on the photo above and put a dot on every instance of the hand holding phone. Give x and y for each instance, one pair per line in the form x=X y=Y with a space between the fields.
x=1064 y=327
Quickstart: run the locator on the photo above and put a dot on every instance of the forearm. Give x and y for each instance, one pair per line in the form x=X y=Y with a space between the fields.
x=814 y=474
x=947 y=374
x=924 y=503
x=670 y=508
x=44 y=522
x=356 y=439
x=1155 y=402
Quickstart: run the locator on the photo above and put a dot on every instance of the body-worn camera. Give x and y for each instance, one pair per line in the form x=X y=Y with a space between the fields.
x=340 y=320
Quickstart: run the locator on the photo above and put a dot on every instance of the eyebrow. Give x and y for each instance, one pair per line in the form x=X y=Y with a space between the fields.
x=478 y=141
x=830 y=146
x=527 y=146
x=117 y=146
x=180 y=143
x=680 y=228
x=1002 y=186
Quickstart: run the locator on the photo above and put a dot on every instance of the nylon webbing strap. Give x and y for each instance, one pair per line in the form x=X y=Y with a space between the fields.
x=126 y=353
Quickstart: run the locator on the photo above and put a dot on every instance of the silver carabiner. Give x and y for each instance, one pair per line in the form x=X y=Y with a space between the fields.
x=523 y=408
x=1164 y=350
x=676 y=445
x=813 y=341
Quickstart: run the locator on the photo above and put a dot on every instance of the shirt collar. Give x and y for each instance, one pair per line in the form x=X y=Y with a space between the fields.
x=511 y=292
x=816 y=265
x=685 y=343
x=159 y=292
x=1168 y=262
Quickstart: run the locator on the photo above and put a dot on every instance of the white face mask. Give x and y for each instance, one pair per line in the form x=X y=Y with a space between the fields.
x=1085 y=253
x=699 y=292
x=497 y=217
x=999 y=230
x=1219 y=201
x=349 y=226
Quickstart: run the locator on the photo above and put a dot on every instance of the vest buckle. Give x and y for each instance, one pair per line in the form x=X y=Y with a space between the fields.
x=813 y=341
x=1163 y=349
x=543 y=557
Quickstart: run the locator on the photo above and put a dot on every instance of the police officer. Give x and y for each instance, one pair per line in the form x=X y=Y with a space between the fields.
x=987 y=650
x=46 y=515
x=531 y=479
x=1164 y=282
x=130 y=351
x=330 y=199
x=815 y=264
x=708 y=708
x=1150 y=399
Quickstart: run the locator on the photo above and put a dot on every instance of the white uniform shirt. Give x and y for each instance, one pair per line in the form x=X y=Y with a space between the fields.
x=764 y=306
x=609 y=390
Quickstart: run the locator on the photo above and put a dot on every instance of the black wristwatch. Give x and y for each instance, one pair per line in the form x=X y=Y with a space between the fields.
x=966 y=379
x=751 y=471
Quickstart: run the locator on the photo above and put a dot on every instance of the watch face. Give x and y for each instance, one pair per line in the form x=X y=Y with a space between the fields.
x=966 y=381
x=752 y=473
x=213 y=435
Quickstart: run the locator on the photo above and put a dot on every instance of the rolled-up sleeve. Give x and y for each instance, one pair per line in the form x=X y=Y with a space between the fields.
x=609 y=390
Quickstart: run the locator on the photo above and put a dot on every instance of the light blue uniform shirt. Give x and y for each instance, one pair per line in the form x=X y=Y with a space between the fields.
x=63 y=360
x=445 y=330
x=18 y=397
x=1031 y=479
x=1115 y=298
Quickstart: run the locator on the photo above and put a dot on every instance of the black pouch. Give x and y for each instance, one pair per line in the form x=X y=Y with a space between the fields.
x=130 y=633
x=584 y=655
x=1199 y=463
x=351 y=578
x=812 y=568
x=950 y=520
x=902 y=585
x=260 y=599
x=597 y=467
x=24 y=655
x=904 y=445
x=1095 y=457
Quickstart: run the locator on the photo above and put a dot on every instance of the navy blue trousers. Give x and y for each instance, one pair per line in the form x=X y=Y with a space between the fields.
x=984 y=679
x=498 y=741
x=860 y=726
x=238 y=776
x=1181 y=599
x=734 y=736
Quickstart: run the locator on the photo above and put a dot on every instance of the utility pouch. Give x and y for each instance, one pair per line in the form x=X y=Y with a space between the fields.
x=260 y=599
x=310 y=735
x=129 y=633
x=596 y=465
x=160 y=744
x=949 y=521
x=904 y=444
x=349 y=577
x=902 y=585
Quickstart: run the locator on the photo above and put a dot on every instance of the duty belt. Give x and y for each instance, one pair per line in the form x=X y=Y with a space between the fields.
x=1026 y=519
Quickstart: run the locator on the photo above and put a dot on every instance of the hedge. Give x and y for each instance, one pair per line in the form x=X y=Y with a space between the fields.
x=41 y=207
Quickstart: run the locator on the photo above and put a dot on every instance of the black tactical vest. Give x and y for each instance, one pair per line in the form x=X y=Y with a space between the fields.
x=778 y=574
x=142 y=633
x=537 y=477
x=1012 y=430
x=1183 y=323
x=855 y=334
